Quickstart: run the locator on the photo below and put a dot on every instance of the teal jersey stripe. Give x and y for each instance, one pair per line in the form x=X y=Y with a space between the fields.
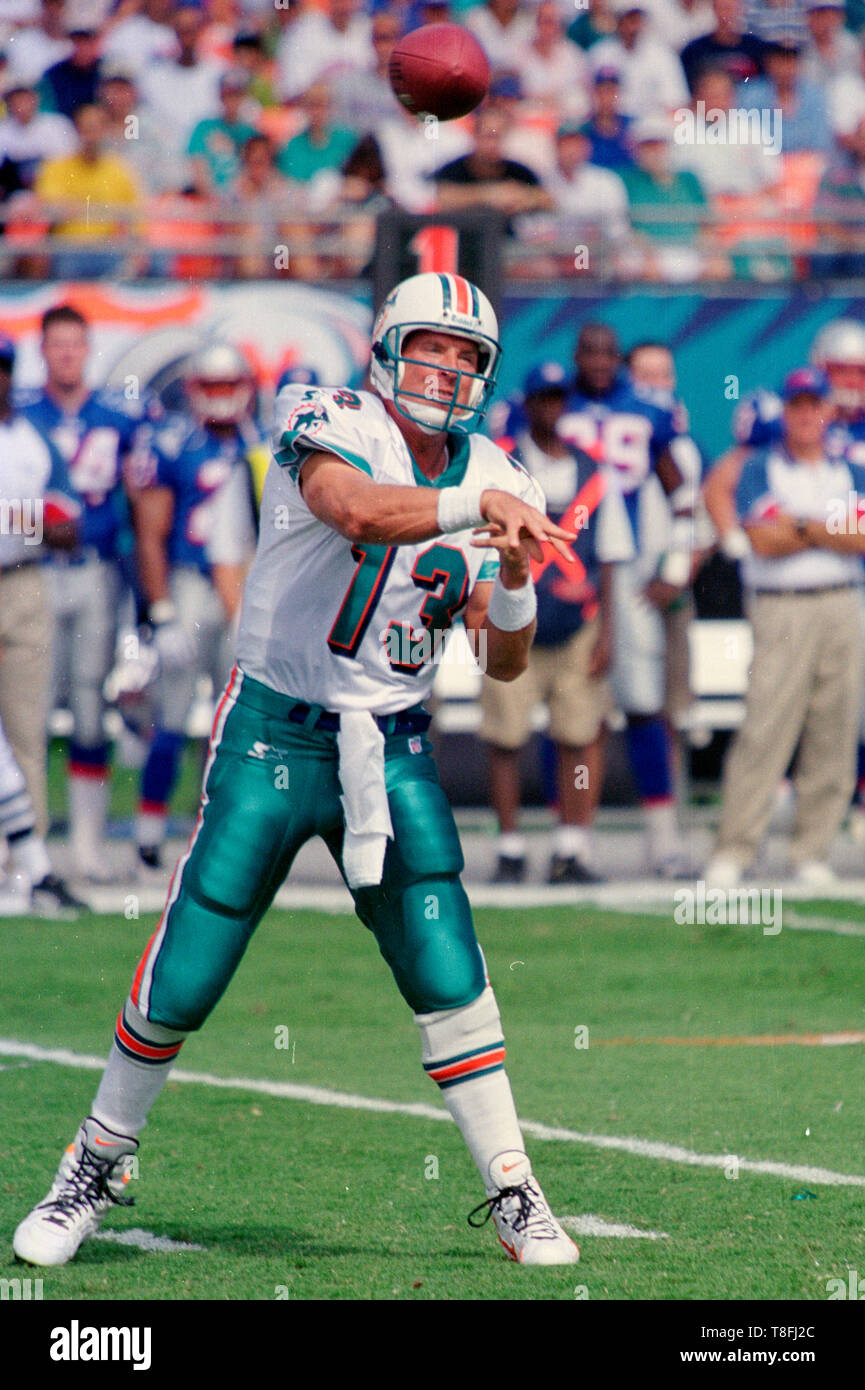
x=291 y=455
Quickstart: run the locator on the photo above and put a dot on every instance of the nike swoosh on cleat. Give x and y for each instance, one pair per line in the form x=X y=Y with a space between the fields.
x=104 y=1143
x=509 y=1248
x=506 y=1167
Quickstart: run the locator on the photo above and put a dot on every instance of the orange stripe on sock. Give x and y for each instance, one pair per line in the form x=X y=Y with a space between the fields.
x=163 y=1054
x=486 y=1059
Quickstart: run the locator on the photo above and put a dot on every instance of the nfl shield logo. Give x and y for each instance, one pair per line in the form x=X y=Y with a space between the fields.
x=414 y=744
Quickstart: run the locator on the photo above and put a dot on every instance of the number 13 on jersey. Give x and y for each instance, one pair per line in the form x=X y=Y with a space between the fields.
x=440 y=569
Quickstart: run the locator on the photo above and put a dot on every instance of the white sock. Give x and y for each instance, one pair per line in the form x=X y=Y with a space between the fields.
x=572 y=841
x=88 y=808
x=150 y=830
x=661 y=825
x=128 y=1087
x=512 y=845
x=463 y=1052
x=29 y=857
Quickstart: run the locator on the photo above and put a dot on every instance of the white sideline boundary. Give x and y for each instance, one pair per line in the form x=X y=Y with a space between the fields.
x=642 y=896
x=345 y=1100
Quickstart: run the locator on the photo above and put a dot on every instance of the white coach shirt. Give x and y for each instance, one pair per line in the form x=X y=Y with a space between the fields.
x=774 y=482
x=28 y=473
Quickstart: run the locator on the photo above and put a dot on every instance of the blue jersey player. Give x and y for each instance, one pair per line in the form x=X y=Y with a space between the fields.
x=94 y=432
x=177 y=479
x=633 y=435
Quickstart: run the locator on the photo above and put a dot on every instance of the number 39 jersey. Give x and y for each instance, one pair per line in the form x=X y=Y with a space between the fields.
x=357 y=626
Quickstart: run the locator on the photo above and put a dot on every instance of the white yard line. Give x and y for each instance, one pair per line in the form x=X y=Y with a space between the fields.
x=346 y=1100
x=596 y=1226
x=146 y=1240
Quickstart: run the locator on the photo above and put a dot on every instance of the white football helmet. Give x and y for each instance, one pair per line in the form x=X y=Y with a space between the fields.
x=841 y=343
x=219 y=384
x=443 y=304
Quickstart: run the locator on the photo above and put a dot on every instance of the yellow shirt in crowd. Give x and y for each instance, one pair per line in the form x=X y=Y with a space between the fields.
x=106 y=181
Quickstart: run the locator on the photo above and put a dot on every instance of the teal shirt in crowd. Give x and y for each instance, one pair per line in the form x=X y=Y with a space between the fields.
x=220 y=144
x=301 y=159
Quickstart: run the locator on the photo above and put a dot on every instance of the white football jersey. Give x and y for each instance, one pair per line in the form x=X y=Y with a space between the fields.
x=358 y=626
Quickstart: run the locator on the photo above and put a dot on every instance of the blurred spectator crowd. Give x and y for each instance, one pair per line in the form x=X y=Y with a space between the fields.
x=670 y=140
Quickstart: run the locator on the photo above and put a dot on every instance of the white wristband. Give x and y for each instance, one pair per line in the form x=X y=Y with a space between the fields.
x=512 y=609
x=675 y=568
x=735 y=544
x=459 y=508
x=161 y=611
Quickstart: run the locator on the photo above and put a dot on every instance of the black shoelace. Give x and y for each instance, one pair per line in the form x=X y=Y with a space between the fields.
x=84 y=1187
x=522 y=1217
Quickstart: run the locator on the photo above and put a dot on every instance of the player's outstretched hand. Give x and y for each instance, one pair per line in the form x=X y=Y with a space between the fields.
x=517 y=529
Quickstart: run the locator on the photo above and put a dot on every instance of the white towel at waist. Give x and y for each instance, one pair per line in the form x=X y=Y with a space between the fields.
x=364 y=798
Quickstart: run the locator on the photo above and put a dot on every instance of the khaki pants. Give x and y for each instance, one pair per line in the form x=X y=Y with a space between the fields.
x=26 y=627
x=559 y=678
x=805 y=688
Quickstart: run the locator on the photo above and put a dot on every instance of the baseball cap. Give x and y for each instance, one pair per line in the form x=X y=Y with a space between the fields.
x=506 y=84
x=790 y=42
x=571 y=128
x=806 y=381
x=84 y=16
x=13 y=81
x=547 y=376
x=7 y=351
x=115 y=70
x=298 y=376
x=606 y=73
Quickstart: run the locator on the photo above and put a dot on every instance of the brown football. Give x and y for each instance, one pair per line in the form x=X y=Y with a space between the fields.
x=439 y=70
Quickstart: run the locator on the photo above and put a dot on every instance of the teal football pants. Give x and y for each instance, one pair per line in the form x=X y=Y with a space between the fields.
x=269 y=786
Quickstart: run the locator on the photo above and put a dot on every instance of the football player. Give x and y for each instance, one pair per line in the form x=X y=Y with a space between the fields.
x=573 y=643
x=93 y=431
x=652 y=369
x=176 y=481
x=633 y=435
x=384 y=515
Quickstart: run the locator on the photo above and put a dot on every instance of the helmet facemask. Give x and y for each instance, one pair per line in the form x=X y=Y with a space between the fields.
x=220 y=402
x=444 y=413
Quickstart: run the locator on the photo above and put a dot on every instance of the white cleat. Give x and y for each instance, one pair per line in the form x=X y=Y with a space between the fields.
x=723 y=871
x=526 y=1227
x=15 y=900
x=815 y=873
x=90 y=1180
x=856 y=824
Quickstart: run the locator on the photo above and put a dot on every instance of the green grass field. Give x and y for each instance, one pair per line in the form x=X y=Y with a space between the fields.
x=325 y=1202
